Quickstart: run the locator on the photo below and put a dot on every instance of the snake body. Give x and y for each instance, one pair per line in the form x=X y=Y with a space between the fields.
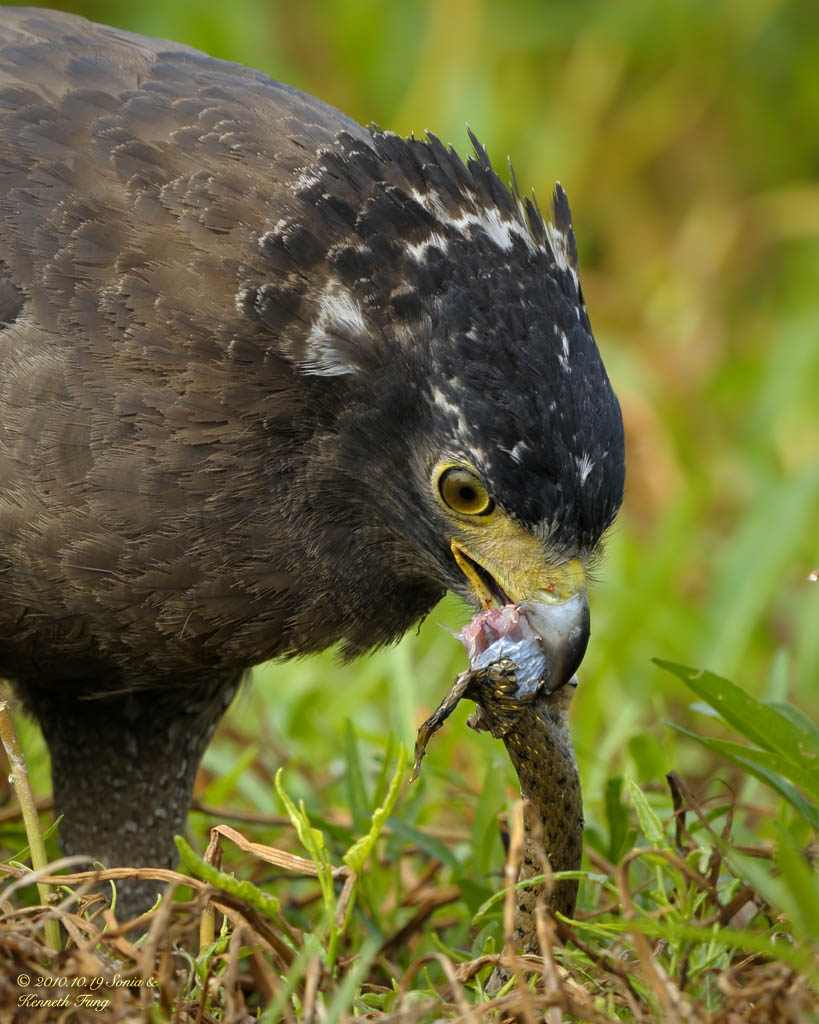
x=535 y=731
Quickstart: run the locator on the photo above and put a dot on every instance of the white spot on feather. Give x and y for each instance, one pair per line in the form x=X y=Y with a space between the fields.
x=562 y=250
x=241 y=298
x=339 y=313
x=563 y=357
x=431 y=202
x=449 y=408
x=517 y=451
x=306 y=178
x=585 y=464
x=417 y=252
x=275 y=232
x=500 y=229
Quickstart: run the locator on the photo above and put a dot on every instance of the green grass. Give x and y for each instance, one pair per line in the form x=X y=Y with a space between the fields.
x=686 y=141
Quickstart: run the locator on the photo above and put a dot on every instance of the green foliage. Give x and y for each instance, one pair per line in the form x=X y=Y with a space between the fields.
x=650 y=825
x=189 y=862
x=338 y=912
x=356 y=857
x=786 y=751
x=682 y=897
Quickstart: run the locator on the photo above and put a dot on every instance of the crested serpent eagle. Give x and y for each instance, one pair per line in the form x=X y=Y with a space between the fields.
x=269 y=382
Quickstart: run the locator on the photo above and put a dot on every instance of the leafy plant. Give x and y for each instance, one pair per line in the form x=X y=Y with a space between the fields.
x=785 y=751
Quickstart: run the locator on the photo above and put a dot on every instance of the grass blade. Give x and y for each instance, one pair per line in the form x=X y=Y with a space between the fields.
x=763 y=724
x=358 y=853
x=737 y=754
x=649 y=822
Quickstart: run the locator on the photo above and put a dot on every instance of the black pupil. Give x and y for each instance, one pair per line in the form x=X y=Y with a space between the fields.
x=468 y=494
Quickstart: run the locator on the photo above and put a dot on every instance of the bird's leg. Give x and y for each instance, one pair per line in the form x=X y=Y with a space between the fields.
x=123 y=768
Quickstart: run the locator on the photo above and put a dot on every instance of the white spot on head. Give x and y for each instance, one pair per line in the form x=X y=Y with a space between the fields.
x=546 y=527
x=240 y=299
x=417 y=252
x=452 y=410
x=585 y=464
x=563 y=357
x=500 y=229
x=431 y=202
x=561 y=248
x=517 y=451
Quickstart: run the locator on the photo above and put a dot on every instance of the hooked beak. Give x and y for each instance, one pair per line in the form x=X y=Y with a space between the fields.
x=553 y=600
x=563 y=629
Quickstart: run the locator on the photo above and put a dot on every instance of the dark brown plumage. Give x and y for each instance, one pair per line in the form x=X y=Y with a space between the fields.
x=242 y=341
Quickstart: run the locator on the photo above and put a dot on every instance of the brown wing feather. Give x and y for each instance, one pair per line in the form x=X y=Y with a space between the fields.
x=136 y=177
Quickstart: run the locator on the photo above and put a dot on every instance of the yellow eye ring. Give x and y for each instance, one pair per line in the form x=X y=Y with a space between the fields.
x=463 y=492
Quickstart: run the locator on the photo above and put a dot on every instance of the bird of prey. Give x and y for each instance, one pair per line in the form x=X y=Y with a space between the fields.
x=269 y=382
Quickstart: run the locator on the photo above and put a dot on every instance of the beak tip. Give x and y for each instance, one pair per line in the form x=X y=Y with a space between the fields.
x=563 y=629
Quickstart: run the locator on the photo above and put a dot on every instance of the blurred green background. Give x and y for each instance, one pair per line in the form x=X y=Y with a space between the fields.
x=687 y=137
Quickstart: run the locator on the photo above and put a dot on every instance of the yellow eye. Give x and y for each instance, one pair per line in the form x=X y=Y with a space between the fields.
x=464 y=492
